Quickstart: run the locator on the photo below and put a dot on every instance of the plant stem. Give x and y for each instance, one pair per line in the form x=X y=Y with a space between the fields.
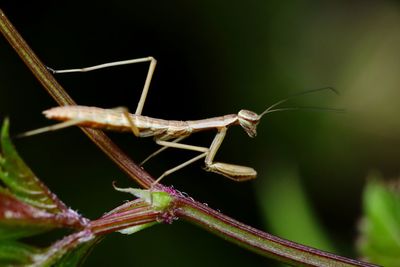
x=133 y=213
x=258 y=241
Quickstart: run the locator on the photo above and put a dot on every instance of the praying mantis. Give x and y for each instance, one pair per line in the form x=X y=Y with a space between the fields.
x=166 y=133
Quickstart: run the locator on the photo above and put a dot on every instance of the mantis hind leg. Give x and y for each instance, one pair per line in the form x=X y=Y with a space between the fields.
x=54 y=127
x=146 y=86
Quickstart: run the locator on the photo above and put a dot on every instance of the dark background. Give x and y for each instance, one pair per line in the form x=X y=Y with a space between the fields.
x=215 y=58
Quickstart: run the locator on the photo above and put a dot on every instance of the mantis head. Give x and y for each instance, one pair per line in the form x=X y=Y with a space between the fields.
x=249 y=120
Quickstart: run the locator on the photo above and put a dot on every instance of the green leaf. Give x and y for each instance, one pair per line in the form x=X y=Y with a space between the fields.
x=21 y=181
x=380 y=228
x=18 y=219
x=14 y=253
x=27 y=206
x=76 y=257
x=70 y=251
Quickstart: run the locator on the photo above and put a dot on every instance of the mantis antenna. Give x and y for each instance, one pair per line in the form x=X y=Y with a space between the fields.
x=271 y=109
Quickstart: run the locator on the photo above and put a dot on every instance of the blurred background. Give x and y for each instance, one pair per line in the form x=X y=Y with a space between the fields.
x=215 y=58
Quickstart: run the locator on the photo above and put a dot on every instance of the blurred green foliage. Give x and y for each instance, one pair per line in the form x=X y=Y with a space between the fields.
x=380 y=228
x=214 y=58
x=295 y=209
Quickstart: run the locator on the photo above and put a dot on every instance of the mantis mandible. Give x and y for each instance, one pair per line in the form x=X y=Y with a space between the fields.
x=166 y=133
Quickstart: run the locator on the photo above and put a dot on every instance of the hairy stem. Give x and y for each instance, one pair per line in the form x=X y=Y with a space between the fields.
x=258 y=241
x=133 y=213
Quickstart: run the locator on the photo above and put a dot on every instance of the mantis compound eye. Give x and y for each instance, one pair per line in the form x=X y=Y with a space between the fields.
x=249 y=121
